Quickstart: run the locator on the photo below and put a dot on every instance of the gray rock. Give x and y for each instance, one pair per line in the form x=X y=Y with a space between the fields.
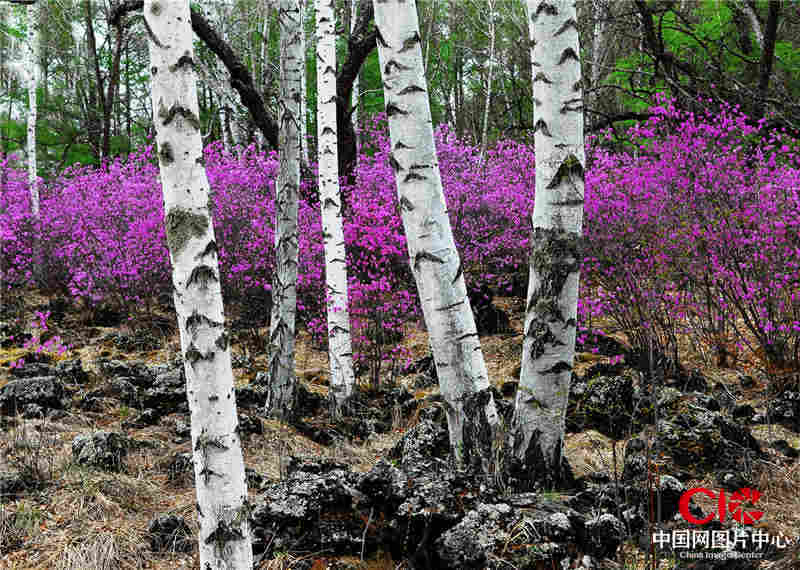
x=170 y=533
x=44 y=391
x=103 y=450
x=605 y=533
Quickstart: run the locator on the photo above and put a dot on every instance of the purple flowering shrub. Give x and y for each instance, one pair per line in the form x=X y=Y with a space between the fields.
x=691 y=230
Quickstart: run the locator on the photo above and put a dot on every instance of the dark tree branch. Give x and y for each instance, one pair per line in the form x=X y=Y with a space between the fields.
x=362 y=42
x=241 y=80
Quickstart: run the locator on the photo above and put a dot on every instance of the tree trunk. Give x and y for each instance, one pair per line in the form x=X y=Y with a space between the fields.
x=356 y=95
x=340 y=349
x=490 y=65
x=32 y=54
x=222 y=506
x=303 y=88
x=471 y=414
x=550 y=320
x=767 y=58
x=282 y=380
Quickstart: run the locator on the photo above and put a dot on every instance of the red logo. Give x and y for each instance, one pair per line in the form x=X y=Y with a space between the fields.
x=732 y=505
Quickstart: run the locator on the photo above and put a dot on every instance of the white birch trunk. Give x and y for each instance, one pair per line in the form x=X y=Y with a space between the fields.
x=356 y=98
x=33 y=72
x=340 y=349
x=754 y=23
x=283 y=382
x=303 y=88
x=550 y=320
x=463 y=378
x=490 y=63
x=32 y=64
x=222 y=506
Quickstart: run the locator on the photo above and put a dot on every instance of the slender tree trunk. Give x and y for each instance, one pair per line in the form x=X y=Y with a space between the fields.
x=283 y=383
x=550 y=321
x=32 y=55
x=356 y=95
x=340 y=349
x=303 y=88
x=222 y=506
x=463 y=378
x=750 y=12
x=490 y=64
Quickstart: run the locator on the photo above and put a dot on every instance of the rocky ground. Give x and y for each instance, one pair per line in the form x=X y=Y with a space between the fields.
x=96 y=466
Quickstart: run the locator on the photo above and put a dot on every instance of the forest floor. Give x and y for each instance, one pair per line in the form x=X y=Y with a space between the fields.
x=85 y=519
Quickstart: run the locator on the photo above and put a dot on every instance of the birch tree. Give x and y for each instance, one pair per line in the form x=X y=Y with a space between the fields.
x=463 y=378
x=283 y=383
x=303 y=88
x=550 y=320
x=356 y=96
x=222 y=507
x=28 y=71
x=340 y=351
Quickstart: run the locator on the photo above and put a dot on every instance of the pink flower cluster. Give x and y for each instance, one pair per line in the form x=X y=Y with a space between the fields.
x=692 y=228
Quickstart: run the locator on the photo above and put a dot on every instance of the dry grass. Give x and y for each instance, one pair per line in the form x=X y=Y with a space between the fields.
x=86 y=519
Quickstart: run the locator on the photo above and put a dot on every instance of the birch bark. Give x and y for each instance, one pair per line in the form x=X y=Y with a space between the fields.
x=550 y=320
x=340 y=349
x=283 y=382
x=471 y=415
x=222 y=506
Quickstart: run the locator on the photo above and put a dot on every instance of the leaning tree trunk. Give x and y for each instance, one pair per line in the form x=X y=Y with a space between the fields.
x=340 y=349
x=550 y=320
x=32 y=70
x=471 y=413
x=222 y=507
x=282 y=380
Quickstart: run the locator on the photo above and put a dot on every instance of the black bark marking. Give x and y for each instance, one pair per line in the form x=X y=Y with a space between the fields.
x=459 y=272
x=406 y=204
x=401 y=144
x=387 y=70
x=568 y=53
x=545 y=7
x=201 y=275
x=379 y=38
x=411 y=89
x=571 y=23
x=452 y=306
x=196 y=320
x=181 y=225
x=540 y=76
x=392 y=110
x=222 y=341
x=184 y=61
x=424 y=255
x=557 y=368
x=570 y=168
x=541 y=336
x=414 y=176
x=211 y=248
x=167 y=115
x=409 y=43
x=394 y=164
x=193 y=355
x=165 y=154
x=542 y=126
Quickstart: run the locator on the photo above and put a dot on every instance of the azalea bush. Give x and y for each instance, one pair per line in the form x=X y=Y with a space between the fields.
x=692 y=229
